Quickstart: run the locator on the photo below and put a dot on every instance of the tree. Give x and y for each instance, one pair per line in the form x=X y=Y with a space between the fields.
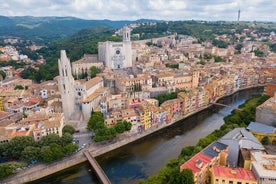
x=218 y=59
x=93 y=71
x=66 y=139
x=57 y=151
x=238 y=47
x=46 y=154
x=30 y=153
x=18 y=87
x=3 y=74
x=6 y=170
x=49 y=139
x=127 y=125
x=18 y=144
x=70 y=148
x=96 y=121
x=184 y=177
x=68 y=129
x=265 y=140
x=259 y=53
x=119 y=127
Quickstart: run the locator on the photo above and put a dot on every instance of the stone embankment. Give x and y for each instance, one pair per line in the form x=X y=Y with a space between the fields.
x=96 y=149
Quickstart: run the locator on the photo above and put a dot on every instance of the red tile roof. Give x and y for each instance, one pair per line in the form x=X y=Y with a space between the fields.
x=237 y=173
x=191 y=164
x=3 y=114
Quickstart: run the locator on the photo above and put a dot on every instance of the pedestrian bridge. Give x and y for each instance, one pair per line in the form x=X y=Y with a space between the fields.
x=101 y=175
x=229 y=106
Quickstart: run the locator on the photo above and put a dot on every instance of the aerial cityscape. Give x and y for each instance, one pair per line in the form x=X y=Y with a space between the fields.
x=138 y=92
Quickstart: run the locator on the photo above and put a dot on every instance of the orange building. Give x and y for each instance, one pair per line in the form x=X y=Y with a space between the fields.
x=223 y=175
x=270 y=89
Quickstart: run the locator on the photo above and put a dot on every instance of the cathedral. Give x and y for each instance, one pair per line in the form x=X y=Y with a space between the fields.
x=79 y=97
x=116 y=55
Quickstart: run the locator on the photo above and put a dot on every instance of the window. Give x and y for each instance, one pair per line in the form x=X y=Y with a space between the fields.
x=230 y=182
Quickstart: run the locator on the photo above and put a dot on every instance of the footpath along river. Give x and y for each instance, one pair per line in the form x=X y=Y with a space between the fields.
x=136 y=161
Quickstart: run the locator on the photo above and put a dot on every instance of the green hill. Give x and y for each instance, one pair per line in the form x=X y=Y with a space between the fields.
x=43 y=30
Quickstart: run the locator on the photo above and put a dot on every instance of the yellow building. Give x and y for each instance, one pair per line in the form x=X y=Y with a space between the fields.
x=225 y=175
x=1 y=104
x=260 y=131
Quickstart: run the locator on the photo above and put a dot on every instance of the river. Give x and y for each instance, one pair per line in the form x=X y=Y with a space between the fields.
x=131 y=163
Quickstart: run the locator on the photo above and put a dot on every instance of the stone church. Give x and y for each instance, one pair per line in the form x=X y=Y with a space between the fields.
x=116 y=55
x=79 y=97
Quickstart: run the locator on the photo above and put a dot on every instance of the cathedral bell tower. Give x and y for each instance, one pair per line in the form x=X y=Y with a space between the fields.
x=66 y=85
x=126 y=34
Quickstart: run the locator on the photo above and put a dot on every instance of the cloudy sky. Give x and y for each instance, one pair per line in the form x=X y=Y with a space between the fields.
x=259 y=10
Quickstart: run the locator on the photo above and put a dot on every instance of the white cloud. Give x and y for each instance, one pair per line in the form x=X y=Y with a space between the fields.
x=136 y=9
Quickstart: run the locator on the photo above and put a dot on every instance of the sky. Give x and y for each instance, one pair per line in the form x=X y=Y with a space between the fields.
x=210 y=10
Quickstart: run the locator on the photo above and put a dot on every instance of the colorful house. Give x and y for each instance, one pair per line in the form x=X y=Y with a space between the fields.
x=223 y=175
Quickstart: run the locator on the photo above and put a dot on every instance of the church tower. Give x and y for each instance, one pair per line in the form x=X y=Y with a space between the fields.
x=66 y=85
x=126 y=34
x=127 y=47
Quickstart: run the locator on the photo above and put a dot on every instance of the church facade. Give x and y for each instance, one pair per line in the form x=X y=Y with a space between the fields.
x=79 y=97
x=116 y=55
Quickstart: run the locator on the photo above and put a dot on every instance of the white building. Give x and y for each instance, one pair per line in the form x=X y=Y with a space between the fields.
x=116 y=55
x=264 y=167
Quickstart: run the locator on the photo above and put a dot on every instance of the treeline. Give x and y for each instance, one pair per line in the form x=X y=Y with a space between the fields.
x=102 y=132
x=83 y=42
x=237 y=118
x=202 y=30
x=24 y=148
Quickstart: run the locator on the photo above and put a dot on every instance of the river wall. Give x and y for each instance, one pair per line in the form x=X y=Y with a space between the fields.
x=42 y=170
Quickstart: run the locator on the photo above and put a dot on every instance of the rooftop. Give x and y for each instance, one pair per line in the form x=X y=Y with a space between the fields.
x=214 y=149
x=265 y=165
x=193 y=162
x=237 y=173
x=261 y=128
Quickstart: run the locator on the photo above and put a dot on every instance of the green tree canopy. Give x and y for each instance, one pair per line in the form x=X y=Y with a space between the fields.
x=93 y=71
x=3 y=74
x=66 y=139
x=18 y=87
x=18 y=144
x=30 y=153
x=51 y=138
x=265 y=140
x=68 y=129
x=70 y=148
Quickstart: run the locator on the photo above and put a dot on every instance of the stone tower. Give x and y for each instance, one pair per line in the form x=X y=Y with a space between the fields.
x=66 y=85
x=128 y=47
x=126 y=34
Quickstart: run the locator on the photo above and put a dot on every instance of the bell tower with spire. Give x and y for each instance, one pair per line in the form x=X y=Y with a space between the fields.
x=66 y=85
